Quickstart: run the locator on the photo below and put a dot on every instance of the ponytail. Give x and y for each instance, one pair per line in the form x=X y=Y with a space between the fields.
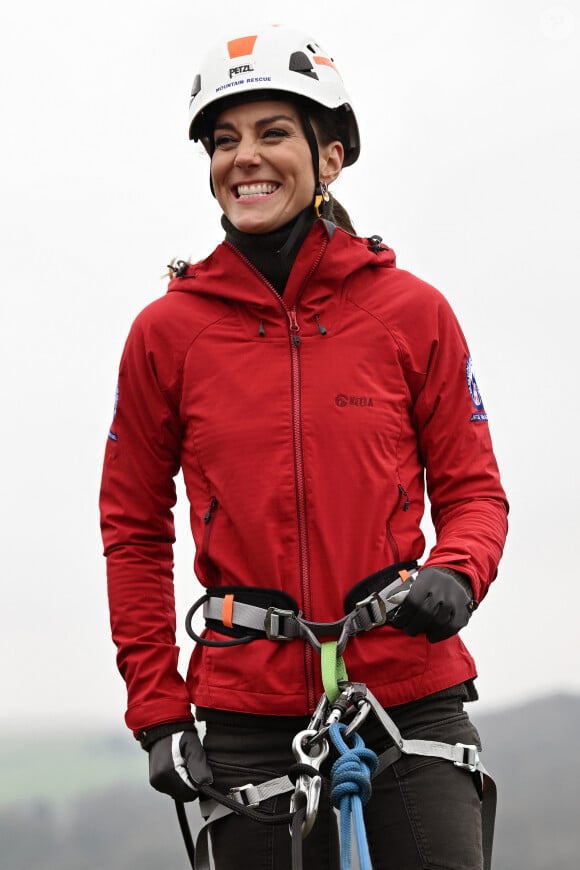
x=340 y=216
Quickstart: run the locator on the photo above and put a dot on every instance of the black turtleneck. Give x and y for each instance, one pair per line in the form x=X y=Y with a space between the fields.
x=273 y=254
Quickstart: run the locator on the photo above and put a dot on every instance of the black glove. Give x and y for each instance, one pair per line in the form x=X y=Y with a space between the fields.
x=438 y=604
x=178 y=766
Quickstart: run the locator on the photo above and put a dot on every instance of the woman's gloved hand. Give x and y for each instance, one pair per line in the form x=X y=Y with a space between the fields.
x=438 y=604
x=178 y=765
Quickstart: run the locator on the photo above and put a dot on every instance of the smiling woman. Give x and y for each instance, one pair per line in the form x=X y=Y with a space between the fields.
x=307 y=388
x=261 y=165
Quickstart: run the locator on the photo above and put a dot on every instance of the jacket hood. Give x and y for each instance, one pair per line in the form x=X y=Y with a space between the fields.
x=327 y=250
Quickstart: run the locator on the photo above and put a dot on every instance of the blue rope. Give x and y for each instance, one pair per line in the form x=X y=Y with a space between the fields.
x=351 y=788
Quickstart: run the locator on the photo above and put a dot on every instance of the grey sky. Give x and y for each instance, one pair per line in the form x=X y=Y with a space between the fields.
x=470 y=169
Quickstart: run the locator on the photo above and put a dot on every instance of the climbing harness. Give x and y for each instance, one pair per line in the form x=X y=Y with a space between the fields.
x=240 y=612
x=246 y=614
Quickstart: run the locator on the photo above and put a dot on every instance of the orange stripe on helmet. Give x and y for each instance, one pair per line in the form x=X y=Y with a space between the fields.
x=242 y=46
x=325 y=61
x=228 y=611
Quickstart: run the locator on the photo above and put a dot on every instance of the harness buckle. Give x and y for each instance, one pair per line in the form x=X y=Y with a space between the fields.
x=470 y=757
x=375 y=609
x=272 y=623
x=243 y=795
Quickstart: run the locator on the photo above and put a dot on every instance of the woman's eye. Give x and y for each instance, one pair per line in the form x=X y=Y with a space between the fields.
x=275 y=133
x=223 y=141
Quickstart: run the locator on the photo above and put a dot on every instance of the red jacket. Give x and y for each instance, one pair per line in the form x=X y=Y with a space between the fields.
x=304 y=427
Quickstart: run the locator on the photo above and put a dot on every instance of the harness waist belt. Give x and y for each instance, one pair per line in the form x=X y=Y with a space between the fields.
x=275 y=615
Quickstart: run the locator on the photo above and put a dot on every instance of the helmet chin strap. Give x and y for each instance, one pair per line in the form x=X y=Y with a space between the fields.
x=321 y=195
x=210 y=148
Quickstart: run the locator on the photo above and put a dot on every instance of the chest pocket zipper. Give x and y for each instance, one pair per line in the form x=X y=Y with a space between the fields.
x=404 y=497
x=209 y=522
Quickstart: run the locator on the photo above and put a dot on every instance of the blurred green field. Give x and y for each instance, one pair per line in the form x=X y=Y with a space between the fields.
x=58 y=767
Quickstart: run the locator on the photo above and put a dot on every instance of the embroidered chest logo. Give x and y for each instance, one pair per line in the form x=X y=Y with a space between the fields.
x=342 y=401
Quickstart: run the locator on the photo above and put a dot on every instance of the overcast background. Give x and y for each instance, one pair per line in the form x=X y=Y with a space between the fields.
x=470 y=123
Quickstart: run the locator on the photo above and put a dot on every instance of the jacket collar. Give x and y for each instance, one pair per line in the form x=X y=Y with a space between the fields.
x=273 y=254
x=327 y=258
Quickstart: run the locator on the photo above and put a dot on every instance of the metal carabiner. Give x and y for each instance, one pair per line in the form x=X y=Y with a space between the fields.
x=307 y=791
x=358 y=718
x=319 y=716
x=323 y=719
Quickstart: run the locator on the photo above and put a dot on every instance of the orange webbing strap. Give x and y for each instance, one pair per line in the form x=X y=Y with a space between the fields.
x=228 y=611
x=404 y=574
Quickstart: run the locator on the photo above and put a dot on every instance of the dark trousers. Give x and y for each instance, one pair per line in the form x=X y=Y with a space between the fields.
x=424 y=813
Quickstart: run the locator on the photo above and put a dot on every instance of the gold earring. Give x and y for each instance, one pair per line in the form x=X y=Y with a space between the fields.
x=321 y=196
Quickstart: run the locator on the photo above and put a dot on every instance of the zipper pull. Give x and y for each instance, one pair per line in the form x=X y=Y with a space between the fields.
x=211 y=511
x=321 y=328
x=403 y=491
x=294 y=328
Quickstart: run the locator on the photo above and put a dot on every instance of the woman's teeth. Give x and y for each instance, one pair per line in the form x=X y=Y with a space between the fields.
x=262 y=189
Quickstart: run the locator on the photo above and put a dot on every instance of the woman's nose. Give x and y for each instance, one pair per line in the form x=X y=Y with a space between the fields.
x=247 y=152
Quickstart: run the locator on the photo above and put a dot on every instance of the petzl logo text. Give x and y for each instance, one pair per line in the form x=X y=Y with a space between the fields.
x=243 y=68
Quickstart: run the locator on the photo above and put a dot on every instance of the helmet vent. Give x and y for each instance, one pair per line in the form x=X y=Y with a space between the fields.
x=300 y=63
x=196 y=87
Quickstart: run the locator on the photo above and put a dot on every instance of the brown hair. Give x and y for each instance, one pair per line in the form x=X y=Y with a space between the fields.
x=329 y=127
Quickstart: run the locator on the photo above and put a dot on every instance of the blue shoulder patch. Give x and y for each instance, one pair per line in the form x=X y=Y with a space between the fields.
x=479 y=413
x=111 y=434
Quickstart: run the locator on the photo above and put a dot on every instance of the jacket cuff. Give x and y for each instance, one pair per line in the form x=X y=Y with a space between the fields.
x=148 y=736
x=463 y=581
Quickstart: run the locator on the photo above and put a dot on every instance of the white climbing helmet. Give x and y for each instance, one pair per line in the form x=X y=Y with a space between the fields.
x=274 y=59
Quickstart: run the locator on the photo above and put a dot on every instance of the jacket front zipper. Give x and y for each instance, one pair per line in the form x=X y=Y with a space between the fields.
x=304 y=555
x=294 y=329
